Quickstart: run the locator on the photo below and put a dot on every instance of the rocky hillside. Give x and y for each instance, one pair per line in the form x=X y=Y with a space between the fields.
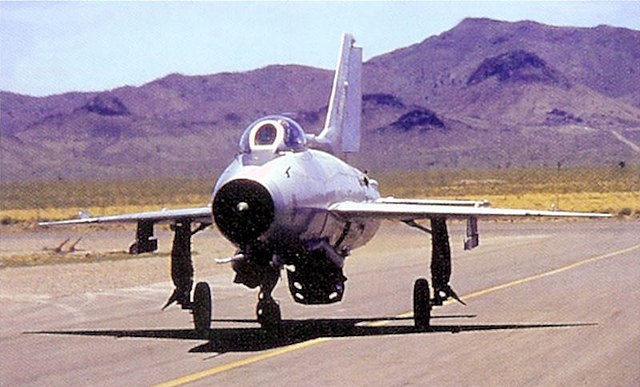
x=484 y=94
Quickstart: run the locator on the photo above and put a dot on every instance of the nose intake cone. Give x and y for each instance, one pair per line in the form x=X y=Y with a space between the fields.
x=243 y=210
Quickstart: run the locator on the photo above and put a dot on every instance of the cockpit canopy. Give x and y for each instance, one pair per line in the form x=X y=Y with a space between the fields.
x=273 y=133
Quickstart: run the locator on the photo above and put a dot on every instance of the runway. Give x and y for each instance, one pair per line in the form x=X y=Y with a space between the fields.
x=549 y=303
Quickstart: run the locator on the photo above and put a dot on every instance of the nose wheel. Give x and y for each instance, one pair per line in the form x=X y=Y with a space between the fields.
x=268 y=313
x=202 y=308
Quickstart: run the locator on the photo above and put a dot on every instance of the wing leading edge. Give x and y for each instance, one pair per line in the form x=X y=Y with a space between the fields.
x=197 y=214
x=412 y=210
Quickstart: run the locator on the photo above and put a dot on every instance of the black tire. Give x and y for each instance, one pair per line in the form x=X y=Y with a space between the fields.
x=202 y=308
x=268 y=314
x=421 y=304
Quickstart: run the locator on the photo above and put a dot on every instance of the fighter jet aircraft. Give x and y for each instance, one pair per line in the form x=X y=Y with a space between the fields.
x=288 y=202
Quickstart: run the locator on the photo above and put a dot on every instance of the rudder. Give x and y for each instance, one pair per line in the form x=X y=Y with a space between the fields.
x=341 y=131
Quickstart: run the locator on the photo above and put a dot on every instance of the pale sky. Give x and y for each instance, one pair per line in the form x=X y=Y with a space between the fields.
x=55 y=47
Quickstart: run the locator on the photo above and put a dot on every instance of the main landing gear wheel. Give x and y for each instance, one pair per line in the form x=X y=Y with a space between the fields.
x=268 y=314
x=421 y=304
x=202 y=308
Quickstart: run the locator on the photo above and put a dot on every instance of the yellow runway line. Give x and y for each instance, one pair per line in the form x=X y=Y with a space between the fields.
x=550 y=273
x=243 y=362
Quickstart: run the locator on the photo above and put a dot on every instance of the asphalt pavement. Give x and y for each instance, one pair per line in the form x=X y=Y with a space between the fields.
x=548 y=303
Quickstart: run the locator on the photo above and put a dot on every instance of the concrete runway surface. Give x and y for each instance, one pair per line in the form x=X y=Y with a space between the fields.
x=549 y=303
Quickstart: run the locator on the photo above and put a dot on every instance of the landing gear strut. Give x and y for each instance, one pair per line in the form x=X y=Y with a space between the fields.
x=441 y=263
x=181 y=263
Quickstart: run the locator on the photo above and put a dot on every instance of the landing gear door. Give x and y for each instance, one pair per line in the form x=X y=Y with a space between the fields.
x=145 y=240
x=472 y=239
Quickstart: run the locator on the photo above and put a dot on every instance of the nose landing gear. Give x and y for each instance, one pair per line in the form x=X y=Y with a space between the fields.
x=268 y=313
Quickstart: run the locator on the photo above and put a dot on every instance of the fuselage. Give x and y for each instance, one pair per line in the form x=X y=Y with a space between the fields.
x=281 y=196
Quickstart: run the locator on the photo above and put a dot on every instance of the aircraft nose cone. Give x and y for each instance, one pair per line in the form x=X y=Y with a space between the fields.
x=242 y=206
x=243 y=210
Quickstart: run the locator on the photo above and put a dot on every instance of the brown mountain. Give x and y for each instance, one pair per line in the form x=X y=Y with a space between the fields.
x=484 y=94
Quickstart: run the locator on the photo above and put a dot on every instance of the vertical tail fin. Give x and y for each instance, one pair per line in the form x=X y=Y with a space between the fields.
x=342 y=128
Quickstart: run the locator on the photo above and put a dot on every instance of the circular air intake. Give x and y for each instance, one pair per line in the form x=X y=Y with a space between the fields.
x=243 y=210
